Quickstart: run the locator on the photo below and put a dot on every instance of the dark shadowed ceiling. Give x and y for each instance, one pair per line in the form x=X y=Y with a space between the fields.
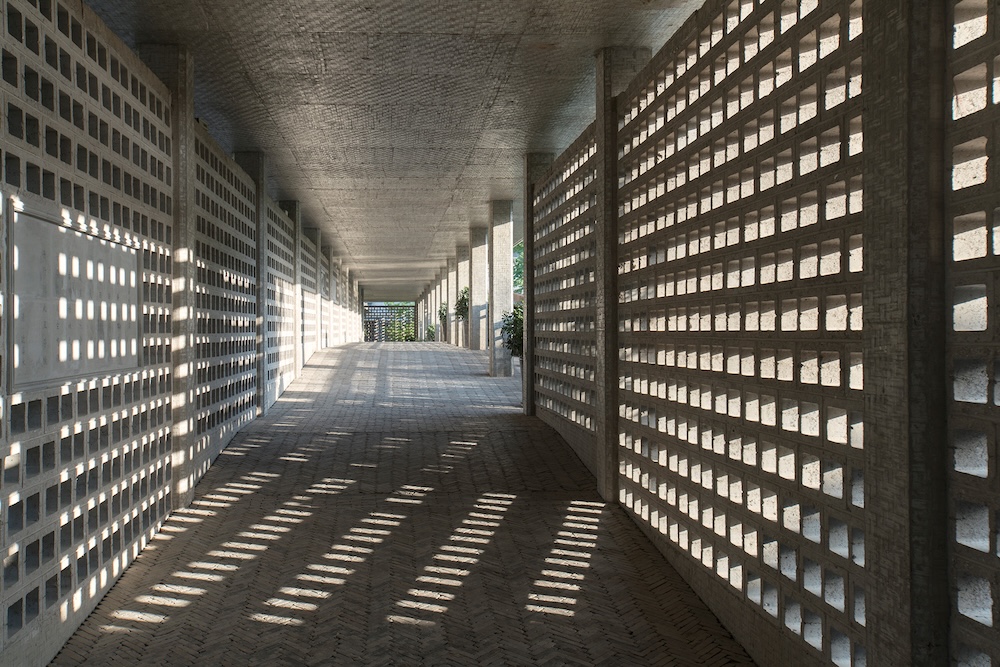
x=395 y=122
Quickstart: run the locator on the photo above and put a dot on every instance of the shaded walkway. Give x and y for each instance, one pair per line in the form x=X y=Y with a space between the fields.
x=394 y=508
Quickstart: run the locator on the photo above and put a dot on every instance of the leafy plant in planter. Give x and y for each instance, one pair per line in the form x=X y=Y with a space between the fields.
x=462 y=304
x=512 y=330
x=443 y=319
x=430 y=333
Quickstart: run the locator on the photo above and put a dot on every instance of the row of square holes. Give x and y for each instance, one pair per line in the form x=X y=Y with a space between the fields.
x=974 y=595
x=678 y=92
x=707 y=204
x=827 y=368
x=26 y=127
x=838 y=537
x=24 y=610
x=839 y=199
x=821 y=259
x=28 y=34
x=113 y=547
x=757 y=589
x=677 y=153
x=840 y=313
x=816 y=418
x=794 y=161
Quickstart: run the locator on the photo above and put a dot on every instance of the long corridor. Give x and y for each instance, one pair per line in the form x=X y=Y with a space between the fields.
x=395 y=508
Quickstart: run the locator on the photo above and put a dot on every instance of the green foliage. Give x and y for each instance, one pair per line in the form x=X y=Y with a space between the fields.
x=462 y=304
x=431 y=332
x=512 y=330
x=519 y=268
x=401 y=331
x=443 y=314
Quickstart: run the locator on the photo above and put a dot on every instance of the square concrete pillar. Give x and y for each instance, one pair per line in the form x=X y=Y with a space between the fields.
x=616 y=66
x=462 y=255
x=479 y=288
x=501 y=252
x=183 y=353
x=906 y=97
x=441 y=332
x=452 y=292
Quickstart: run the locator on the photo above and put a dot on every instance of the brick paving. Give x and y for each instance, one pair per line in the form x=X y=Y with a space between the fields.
x=395 y=508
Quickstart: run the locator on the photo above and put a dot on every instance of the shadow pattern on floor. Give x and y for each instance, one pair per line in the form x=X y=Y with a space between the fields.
x=395 y=508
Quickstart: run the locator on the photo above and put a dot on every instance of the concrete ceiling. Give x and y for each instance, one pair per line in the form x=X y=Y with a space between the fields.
x=395 y=122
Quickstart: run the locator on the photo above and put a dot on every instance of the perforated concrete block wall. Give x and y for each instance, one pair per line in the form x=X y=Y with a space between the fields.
x=87 y=299
x=564 y=264
x=87 y=187
x=326 y=305
x=308 y=274
x=740 y=260
x=973 y=280
x=226 y=302
x=279 y=339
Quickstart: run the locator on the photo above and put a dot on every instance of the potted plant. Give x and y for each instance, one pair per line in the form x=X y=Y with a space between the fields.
x=462 y=304
x=443 y=319
x=512 y=330
x=462 y=313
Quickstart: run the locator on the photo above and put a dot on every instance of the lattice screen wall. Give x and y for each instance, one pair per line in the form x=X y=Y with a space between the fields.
x=86 y=435
x=226 y=251
x=279 y=337
x=86 y=147
x=564 y=295
x=389 y=322
x=307 y=277
x=973 y=359
x=326 y=305
x=740 y=290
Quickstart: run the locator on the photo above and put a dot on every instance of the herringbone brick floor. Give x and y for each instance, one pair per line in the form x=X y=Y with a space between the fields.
x=394 y=508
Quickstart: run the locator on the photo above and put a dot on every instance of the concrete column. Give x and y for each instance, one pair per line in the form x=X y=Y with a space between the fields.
x=432 y=304
x=327 y=339
x=428 y=306
x=452 y=297
x=441 y=332
x=178 y=66
x=501 y=251
x=462 y=255
x=294 y=212
x=479 y=287
x=616 y=66
x=359 y=300
x=254 y=164
x=905 y=379
x=419 y=318
x=315 y=235
x=335 y=297
x=361 y=312
x=535 y=166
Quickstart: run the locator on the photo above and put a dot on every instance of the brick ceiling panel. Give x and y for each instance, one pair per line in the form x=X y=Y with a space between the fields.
x=395 y=123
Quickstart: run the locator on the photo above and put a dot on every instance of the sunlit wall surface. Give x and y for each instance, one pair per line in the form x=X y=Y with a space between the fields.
x=974 y=233
x=87 y=184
